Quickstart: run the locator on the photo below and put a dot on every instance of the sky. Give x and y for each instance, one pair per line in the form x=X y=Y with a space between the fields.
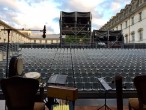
x=34 y=14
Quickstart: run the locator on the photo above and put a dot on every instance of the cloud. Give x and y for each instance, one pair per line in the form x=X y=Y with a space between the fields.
x=115 y=6
x=79 y=5
x=84 y=5
x=97 y=23
x=33 y=14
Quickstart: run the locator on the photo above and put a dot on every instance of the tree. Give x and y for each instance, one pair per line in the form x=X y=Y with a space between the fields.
x=76 y=39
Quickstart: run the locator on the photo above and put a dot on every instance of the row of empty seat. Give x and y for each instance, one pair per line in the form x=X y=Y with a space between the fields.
x=84 y=66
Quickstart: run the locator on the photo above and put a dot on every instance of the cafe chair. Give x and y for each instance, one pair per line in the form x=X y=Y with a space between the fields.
x=20 y=93
x=139 y=103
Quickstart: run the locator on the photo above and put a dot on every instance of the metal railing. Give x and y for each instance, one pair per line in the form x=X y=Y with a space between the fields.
x=83 y=45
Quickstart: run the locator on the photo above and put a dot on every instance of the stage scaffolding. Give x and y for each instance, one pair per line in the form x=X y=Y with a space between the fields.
x=75 y=24
x=111 y=39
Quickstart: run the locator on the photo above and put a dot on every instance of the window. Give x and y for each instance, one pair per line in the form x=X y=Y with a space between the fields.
x=5 y=32
x=140 y=36
x=140 y=31
x=132 y=21
x=126 y=38
x=125 y=24
x=121 y=26
x=140 y=16
x=133 y=36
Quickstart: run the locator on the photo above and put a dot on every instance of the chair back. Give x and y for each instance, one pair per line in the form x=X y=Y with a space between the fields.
x=140 y=84
x=19 y=92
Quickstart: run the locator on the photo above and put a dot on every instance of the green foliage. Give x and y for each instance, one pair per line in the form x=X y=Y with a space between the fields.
x=76 y=39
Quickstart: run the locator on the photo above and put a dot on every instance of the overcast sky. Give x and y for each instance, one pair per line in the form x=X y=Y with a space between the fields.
x=34 y=14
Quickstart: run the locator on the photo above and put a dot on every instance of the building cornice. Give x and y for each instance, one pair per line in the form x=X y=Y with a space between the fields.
x=44 y=38
x=10 y=27
x=114 y=24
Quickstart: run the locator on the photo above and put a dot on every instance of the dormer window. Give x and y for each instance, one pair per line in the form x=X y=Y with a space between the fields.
x=140 y=2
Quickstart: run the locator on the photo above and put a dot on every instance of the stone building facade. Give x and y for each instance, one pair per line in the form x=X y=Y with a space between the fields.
x=20 y=36
x=131 y=20
x=15 y=36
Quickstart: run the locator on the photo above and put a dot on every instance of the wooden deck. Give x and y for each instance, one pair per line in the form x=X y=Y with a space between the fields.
x=95 y=108
x=88 y=104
